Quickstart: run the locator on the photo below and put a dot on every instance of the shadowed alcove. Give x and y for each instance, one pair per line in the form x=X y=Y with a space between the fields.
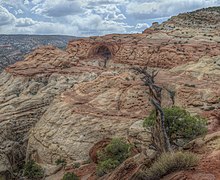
x=101 y=52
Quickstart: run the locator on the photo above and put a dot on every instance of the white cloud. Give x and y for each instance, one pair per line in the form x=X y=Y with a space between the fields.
x=6 y=17
x=24 y=22
x=108 y=12
x=26 y=2
x=142 y=26
x=36 y=1
x=116 y=17
x=19 y=11
x=93 y=3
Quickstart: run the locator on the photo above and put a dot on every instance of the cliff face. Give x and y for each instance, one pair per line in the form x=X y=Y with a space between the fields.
x=58 y=104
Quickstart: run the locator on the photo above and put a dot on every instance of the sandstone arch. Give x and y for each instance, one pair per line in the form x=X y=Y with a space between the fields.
x=102 y=52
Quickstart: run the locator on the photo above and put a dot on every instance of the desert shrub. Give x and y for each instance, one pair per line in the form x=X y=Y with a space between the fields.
x=106 y=166
x=170 y=162
x=112 y=156
x=61 y=161
x=180 y=125
x=70 y=176
x=33 y=170
x=88 y=161
x=76 y=165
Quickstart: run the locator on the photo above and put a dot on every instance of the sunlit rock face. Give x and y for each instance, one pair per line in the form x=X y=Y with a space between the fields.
x=58 y=104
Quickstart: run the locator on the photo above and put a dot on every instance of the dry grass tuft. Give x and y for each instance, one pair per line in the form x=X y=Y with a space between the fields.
x=168 y=163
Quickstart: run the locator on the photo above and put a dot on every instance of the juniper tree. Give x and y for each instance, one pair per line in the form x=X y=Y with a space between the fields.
x=160 y=140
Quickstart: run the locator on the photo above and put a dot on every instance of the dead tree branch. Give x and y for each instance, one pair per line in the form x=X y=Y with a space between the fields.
x=160 y=139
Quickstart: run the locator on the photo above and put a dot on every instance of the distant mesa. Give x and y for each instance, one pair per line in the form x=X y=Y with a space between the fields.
x=13 y=48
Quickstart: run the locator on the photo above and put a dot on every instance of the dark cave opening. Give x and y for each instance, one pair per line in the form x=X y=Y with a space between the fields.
x=104 y=53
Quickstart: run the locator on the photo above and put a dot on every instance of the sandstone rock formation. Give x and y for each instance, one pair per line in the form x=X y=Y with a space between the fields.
x=58 y=104
x=159 y=49
x=87 y=114
x=208 y=149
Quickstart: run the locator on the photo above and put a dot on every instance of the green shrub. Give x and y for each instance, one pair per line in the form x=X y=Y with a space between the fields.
x=88 y=161
x=33 y=170
x=112 y=156
x=180 y=125
x=106 y=166
x=76 y=165
x=70 y=176
x=170 y=162
x=61 y=161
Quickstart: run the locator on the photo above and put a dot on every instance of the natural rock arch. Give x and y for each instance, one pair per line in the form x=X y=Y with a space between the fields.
x=101 y=51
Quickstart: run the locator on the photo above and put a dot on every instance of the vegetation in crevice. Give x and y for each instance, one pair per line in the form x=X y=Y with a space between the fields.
x=181 y=127
x=112 y=156
x=70 y=176
x=61 y=162
x=33 y=170
x=167 y=163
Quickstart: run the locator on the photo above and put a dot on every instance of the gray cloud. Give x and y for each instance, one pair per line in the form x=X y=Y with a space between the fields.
x=55 y=28
x=17 y=4
x=93 y=24
x=6 y=17
x=58 y=8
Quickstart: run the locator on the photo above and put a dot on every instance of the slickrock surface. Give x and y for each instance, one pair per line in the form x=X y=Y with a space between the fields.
x=208 y=149
x=48 y=60
x=23 y=100
x=104 y=108
x=108 y=106
x=58 y=104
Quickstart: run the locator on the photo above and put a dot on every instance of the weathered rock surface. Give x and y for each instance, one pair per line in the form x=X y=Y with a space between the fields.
x=207 y=18
x=159 y=49
x=23 y=101
x=100 y=109
x=208 y=168
x=64 y=102
x=128 y=169
x=109 y=106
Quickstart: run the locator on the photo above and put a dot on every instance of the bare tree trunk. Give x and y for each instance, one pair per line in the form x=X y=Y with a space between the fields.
x=160 y=140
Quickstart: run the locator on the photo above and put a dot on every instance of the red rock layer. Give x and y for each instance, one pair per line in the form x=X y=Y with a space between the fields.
x=162 y=49
x=145 y=49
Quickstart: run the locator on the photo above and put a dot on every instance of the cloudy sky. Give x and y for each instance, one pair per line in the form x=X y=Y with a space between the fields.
x=89 y=17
